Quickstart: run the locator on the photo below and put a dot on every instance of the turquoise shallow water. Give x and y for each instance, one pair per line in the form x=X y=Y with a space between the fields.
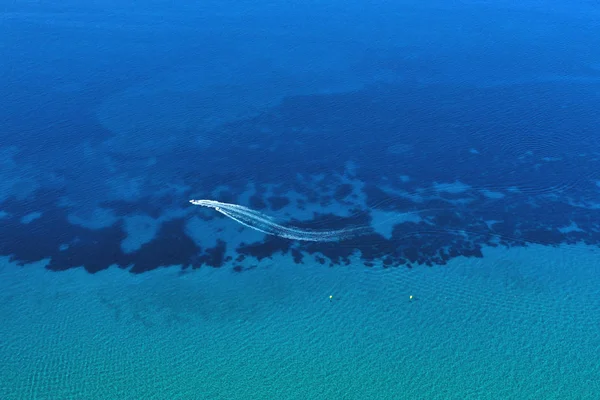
x=491 y=328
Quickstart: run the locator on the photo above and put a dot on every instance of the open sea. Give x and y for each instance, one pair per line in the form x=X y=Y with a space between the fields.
x=392 y=200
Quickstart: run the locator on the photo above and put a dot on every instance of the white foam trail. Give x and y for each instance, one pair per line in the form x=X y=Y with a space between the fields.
x=266 y=224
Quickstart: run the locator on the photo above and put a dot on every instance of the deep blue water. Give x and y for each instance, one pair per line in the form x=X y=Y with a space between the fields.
x=488 y=97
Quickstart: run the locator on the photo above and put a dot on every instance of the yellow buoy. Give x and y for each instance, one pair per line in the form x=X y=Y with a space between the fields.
x=411 y=297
